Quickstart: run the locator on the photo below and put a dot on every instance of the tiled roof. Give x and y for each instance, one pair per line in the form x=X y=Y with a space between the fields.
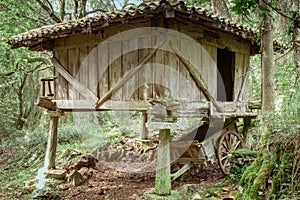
x=144 y=10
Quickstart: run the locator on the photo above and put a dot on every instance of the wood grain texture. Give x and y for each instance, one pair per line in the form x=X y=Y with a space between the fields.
x=62 y=84
x=115 y=68
x=73 y=67
x=103 y=69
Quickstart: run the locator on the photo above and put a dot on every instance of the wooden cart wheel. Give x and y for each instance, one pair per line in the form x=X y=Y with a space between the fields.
x=228 y=142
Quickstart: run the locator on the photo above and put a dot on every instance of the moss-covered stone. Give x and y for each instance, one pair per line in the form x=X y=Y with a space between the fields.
x=244 y=153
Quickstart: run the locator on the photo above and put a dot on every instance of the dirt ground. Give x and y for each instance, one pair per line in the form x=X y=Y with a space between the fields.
x=107 y=183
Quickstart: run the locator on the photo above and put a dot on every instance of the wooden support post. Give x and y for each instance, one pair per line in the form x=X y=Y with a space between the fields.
x=245 y=132
x=184 y=169
x=43 y=88
x=163 y=169
x=52 y=140
x=144 y=130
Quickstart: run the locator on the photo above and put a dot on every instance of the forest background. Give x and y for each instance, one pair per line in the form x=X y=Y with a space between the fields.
x=23 y=126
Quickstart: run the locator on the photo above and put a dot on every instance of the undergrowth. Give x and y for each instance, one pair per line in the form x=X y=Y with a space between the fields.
x=22 y=152
x=275 y=174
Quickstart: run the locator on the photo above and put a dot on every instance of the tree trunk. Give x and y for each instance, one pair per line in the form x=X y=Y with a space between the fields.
x=214 y=6
x=82 y=12
x=296 y=43
x=62 y=11
x=268 y=70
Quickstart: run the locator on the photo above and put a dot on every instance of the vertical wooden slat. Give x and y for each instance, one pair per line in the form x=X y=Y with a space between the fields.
x=62 y=84
x=245 y=91
x=151 y=70
x=172 y=70
x=73 y=66
x=93 y=69
x=83 y=78
x=196 y=54
x=115 y=67
x=126 y=67
x=186 y=83
x=145 y=73
x=130 y=59
x=159 y=71
x=159 y=74
x=103 y=68
x=238 y=72
x=209 y=68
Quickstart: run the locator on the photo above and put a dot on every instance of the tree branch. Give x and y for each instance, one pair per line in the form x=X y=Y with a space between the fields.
x=49 y=11
x=276 y=10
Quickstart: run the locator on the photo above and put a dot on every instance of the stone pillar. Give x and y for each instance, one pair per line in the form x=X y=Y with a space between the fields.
x=163 y=169
x=144 y=130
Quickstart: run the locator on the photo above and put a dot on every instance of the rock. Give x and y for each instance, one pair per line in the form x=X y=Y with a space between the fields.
x=114 y=154
x=102 y=191
x=143 y=158
x=196 y=197
x=84 y=161
x=56 y=173
x=76 y=178
x=46 y=193
x=86 y=172
x=30 y=185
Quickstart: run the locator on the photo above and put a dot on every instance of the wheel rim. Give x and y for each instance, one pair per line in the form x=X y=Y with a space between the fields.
x=228 y=142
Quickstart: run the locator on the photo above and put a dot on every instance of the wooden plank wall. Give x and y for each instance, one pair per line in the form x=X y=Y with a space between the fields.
x=106 y=64
x=242 y=63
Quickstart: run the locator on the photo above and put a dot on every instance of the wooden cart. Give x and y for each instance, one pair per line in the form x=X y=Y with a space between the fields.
x=215 y=139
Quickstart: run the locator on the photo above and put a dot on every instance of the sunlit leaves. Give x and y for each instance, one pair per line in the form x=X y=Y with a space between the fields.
x=244 y=7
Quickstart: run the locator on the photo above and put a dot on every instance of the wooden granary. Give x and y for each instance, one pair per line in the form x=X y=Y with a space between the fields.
x=167 y=61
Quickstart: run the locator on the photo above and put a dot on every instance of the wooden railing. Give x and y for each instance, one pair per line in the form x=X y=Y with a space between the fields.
x=47 y=82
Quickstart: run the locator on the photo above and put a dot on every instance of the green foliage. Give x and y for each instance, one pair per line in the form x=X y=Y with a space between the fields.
x=20 y=69
x=244 y=7
x=243 y=159
x=68 y=134
x=275 y=174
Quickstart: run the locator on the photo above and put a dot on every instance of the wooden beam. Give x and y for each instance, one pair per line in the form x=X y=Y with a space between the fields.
x=46 y=102
x=184 y=169
x=196 y=77
x=196 y=161
x=163 y=169
x=84 y=105
x=129 y=74
x=82 y=89
x=254 y=105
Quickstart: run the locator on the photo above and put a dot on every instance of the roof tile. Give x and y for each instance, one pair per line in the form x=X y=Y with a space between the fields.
x=86 y=24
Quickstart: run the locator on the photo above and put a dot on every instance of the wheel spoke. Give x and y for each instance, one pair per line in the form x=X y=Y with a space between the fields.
x=228 y=142
x=236 y=145
x=226 y=147
x=225 y=163
x=224 y=157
